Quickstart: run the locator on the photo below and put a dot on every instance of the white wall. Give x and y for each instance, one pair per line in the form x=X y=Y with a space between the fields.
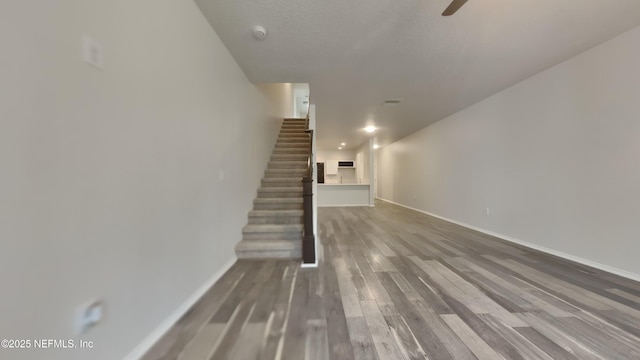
x=130 y=184
x=324 y=155
x=276 y=101
x=365 y=164
x=555 y=158
x=300 y=95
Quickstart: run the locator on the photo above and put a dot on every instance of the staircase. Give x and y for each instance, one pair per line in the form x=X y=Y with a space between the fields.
x=275 y=223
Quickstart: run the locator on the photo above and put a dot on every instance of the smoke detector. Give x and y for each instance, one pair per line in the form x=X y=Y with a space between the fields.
x=259 y=33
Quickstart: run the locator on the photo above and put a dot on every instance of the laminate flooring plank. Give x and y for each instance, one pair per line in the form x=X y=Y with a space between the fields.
x=377 y=259
x=292 y=344
x=415 y=276
x=446 y=245
x=246 y=346
x=405 y=339
x=331 y=247
x=348 y=291
x=544 y=344
x=206 y=340
x=418 y=319
x=567 y=305
x=211 y=335
x=405 y=287
x=248 y=281
x=411 y=249
x=563 y=340
x=428 y=313
x=464 y=250
x=528 y=349
x=620 y=319
x=316 y=343
x=506 y=299
x=397 y=246
x=386 y=347
x=592 y=299
x=244 y=310
x=477 y=346
x=606 y=347
x=364 y=293
x=454 y=345
x=571 y=270
x=361 y=341
x=277 y=321
x=273 y=285
x=184 y=331
x=529 y=301
x=625 y=284
x=444 y=250
x=336 y=227
x=610 y=330
x=338 y=336
x=427 y=248
x=632 y=297
x=387 y=307
x=582 y=279
x=384 y=249
x=557 y=286
x=498 y=343
x=473 y=298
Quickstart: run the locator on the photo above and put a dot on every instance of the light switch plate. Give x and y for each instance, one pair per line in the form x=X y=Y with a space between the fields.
x=92 y=52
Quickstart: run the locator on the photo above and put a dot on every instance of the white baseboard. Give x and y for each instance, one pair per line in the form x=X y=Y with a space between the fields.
x=579 y=260
x=159 y=331
x=310 y=265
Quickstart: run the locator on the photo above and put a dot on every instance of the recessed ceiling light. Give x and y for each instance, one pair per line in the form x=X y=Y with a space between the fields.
x=375 y=146
x=340 y=148
x=343 y=144
x=370 y=129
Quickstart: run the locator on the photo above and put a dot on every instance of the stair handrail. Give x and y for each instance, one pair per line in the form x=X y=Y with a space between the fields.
x=308 y=237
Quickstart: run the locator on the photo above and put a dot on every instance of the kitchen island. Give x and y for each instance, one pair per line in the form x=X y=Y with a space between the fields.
x=343 y=194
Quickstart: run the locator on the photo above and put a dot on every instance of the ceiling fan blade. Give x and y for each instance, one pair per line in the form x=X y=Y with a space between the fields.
x=453 y=7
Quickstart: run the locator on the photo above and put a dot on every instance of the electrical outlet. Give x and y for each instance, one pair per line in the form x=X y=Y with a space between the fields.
x=221 y=175
x=487 y=211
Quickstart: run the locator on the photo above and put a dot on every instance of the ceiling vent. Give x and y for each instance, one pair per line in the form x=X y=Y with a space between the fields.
x=391 y=102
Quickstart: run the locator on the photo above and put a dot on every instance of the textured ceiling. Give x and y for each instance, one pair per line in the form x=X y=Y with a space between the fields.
x=357 y=53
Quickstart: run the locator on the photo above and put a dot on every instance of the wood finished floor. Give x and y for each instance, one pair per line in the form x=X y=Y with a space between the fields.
x=397 y=284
